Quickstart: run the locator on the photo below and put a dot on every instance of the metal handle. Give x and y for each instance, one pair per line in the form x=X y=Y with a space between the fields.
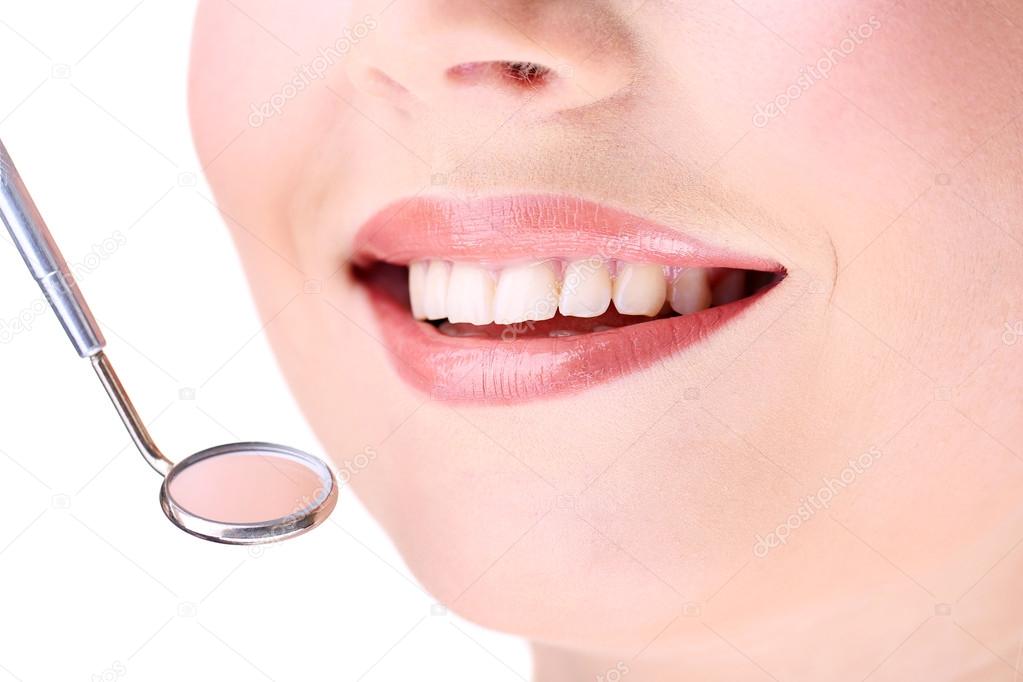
x=44 y=260
x=126 y=410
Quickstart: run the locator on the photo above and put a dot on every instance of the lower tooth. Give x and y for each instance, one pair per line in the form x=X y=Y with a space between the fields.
x=555 y=333
x=459 y=330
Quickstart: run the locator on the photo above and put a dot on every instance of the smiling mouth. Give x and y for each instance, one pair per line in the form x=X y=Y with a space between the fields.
x=469 y=311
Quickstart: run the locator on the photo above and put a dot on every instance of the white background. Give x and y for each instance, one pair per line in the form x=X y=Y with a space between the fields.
x=95 y=584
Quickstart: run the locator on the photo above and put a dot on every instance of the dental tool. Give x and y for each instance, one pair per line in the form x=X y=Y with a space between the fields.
x=239 y=493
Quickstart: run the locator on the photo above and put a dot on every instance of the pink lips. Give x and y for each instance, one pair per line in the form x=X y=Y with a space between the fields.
x=505 y=228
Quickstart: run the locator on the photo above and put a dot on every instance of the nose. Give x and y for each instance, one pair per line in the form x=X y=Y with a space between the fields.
x=560 y=54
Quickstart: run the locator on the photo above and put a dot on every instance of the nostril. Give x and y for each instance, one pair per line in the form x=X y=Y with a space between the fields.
x=526 y=73
x=466 y=58
x=503 y=73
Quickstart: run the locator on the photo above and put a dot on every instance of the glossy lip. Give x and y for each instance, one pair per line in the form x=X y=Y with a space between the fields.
x=508 y=228
x=518 y=227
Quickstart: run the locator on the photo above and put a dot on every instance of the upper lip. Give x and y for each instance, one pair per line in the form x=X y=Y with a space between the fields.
x=527 y=226
x=501 y=229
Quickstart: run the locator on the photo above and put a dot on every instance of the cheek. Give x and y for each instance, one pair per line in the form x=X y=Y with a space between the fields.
x=255 y=78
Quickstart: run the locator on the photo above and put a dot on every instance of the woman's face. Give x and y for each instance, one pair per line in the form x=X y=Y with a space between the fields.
x=843 y=434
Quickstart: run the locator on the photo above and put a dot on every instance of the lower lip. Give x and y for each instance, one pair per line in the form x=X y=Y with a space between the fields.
x=522 y=369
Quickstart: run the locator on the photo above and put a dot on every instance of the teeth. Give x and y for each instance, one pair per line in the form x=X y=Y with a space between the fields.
x=465 y=293
x=526 y=292
x=417 y=287
x=690 y=292
x=435 y=290
x=470 y=295
x=460 y=331
x=585 y=289
x=639 y=289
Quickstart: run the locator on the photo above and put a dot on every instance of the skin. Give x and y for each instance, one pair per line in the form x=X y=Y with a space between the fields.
x=617 y=528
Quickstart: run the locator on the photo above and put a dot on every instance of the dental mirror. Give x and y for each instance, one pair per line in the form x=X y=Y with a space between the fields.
x=240 y=493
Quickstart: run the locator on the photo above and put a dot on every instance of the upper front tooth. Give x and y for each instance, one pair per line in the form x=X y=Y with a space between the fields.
x=435 y=290
x=585 y=289
x=526 y=292
x=639 y=289
x=417 y=287
x=690 y=292
x=470 y=295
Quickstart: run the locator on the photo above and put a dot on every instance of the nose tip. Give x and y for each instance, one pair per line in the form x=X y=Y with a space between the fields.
x=451 y=53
